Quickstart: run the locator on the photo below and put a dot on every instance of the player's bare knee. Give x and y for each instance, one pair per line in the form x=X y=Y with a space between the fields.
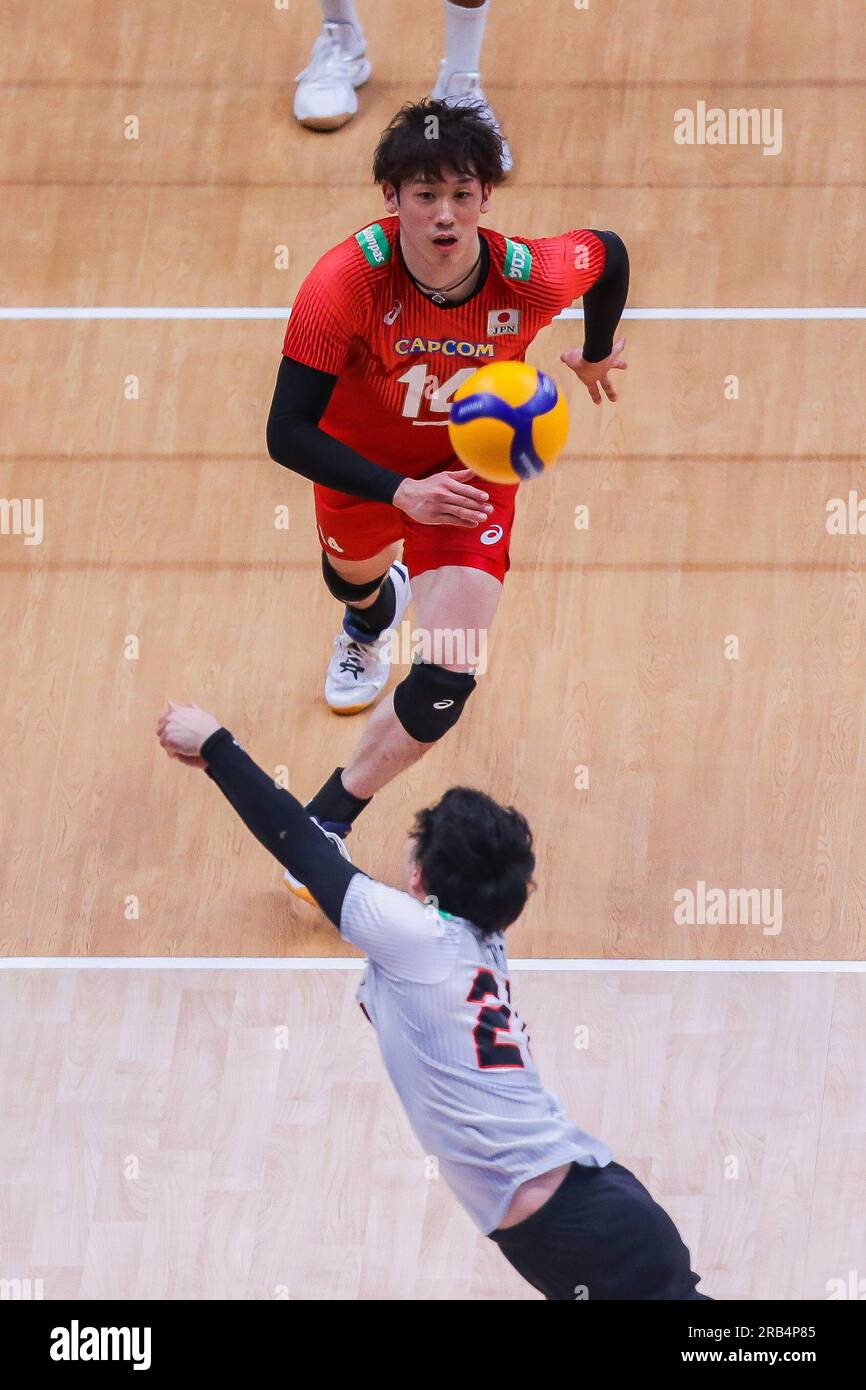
x=430 y=700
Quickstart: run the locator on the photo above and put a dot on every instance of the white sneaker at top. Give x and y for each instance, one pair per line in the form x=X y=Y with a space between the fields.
x=464 y=88
x=325 y=98
x=358 y=671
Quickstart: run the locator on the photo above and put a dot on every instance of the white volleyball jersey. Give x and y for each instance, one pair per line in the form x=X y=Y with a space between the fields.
x=437 y=992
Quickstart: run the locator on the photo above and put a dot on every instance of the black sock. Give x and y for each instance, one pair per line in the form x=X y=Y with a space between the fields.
x=333 y=803
x=381 y=612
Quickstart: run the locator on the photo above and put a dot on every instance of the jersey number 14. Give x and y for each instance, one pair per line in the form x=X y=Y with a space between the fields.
x=422 y=385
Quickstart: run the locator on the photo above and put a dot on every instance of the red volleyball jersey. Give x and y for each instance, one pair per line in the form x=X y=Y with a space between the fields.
x=399 y=358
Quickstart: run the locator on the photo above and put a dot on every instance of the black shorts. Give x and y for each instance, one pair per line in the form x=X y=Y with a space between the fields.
x=601 y=1236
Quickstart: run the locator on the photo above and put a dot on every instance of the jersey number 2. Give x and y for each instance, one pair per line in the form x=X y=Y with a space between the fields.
x=492 y=1019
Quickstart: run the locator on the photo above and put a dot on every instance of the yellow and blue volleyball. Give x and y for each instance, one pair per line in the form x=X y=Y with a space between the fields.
x=508 y=422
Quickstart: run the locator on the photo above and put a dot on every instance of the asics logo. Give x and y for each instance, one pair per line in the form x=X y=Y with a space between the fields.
x=491 y=535
x=442 y=704
x=329 y=541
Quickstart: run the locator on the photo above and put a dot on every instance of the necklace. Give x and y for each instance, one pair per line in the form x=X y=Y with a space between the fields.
x=438 y=296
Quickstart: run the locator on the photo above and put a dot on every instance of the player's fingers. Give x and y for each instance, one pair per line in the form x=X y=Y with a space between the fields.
x=467 y=494
x=471 y=504
x=466 y=497
x=452 y=514
x=459 y=516
x=458 y=489
x=608 y=389
x=618 y=347
x=619 y=366
x=592 y=388
x=171 y=716
x=468 y=508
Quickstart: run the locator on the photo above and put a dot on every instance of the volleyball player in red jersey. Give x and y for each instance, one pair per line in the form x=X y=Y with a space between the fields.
x=384 y=330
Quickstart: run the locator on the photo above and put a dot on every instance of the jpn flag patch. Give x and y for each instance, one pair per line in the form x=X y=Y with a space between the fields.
x=502 y=321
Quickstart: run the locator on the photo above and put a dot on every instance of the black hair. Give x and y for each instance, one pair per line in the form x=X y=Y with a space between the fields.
x=476 y=857
x=428 y=137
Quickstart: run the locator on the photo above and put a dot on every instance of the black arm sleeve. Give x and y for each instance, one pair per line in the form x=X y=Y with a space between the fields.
x=604 y=303
x=279 y=822
x=300 y=399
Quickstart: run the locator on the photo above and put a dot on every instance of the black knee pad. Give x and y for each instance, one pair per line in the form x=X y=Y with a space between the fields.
x=342 y=589
x=430 y=700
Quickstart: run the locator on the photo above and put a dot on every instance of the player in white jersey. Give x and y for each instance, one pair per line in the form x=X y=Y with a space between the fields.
x=570 y=1220
x=325 y=98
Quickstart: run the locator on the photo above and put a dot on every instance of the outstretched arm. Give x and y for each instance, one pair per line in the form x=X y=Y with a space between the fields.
x=275 y=817
x=603 y=304
x=406 y=938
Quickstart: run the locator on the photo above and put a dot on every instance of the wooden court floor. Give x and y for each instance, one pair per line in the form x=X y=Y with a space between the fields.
x=179 y=1150
x=161 y=572
x=694 y=658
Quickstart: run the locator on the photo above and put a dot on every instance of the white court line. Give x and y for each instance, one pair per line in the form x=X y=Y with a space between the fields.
x=210 y=312
x=764 y=967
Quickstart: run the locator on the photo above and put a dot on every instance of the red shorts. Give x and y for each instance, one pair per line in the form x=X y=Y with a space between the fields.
x=355 y=530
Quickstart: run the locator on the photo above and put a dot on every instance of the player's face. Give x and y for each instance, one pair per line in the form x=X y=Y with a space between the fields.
x=439 y=220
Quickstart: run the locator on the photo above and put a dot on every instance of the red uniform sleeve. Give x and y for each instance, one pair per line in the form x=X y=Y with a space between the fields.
x=576 y=260
x=328 y=312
